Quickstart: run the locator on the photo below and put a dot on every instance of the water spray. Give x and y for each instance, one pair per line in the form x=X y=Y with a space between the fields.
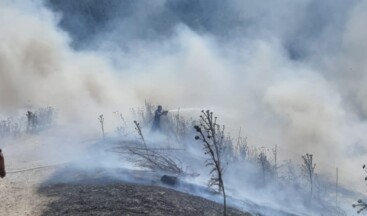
x=190 y=109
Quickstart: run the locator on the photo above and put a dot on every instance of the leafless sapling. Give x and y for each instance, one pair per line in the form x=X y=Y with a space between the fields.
x=275 y=166
x=101 y=120
x=336 y=187
x=212 y=136
x=362 y=205
x=308 y=167
x=138 y=129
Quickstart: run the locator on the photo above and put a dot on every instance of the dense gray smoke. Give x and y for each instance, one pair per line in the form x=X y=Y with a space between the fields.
x=290 y=73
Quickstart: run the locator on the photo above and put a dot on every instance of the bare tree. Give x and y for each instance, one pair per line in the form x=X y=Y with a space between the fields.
x=101 y=120
x=308 y=168
x=360 y=203
x=212 y=136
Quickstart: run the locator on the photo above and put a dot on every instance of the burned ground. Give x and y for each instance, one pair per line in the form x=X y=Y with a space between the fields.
x=44 y=192
x=101 y=191
x=125 y=199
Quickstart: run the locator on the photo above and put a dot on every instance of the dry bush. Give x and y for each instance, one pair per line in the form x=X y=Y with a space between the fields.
x=176 y=130
x=12 y=127
x=144 y=115
x=40 y=119
x=31 y=122
x=265 y=166
x=155 y=160
x=122 y=128
x=45 y=116
x=290 y=176
x=242 y=150
x=5 y=128
x=150 y=158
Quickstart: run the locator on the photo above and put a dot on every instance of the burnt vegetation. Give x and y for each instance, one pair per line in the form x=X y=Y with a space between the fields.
x=143 y=154
x=257 y=165
x=223 y=156
x=32 y=121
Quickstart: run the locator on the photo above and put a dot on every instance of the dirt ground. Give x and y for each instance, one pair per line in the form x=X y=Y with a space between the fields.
x=63 y=190
x=28 y=193
x=120 y=199
x=19 y=194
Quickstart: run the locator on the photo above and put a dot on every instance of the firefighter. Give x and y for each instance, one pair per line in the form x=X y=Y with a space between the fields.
x=156 y=126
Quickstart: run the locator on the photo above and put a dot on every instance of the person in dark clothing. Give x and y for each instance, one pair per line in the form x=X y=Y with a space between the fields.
x=2 y=165
x=32 y=121
x=29 y=118
x=156 y=126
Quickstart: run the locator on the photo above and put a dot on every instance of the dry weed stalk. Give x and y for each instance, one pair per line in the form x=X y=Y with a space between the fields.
x=101 y=120
x=138 y=129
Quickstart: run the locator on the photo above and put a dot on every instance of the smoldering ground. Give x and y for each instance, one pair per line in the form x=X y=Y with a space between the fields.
x=289 y=73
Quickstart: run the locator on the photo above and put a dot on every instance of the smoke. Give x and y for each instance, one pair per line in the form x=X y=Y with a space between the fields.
x=38 y=66
x=289 y=73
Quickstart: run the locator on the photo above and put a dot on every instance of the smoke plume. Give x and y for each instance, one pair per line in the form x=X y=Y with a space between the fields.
x=290 y=73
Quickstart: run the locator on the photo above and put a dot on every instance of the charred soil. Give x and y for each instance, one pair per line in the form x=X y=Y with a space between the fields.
x=125 y=199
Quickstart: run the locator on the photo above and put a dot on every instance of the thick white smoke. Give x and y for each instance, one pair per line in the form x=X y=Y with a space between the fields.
x=38 y=67
x=275 y=76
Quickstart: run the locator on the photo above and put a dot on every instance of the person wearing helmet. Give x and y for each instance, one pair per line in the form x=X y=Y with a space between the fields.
x=156 y=126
